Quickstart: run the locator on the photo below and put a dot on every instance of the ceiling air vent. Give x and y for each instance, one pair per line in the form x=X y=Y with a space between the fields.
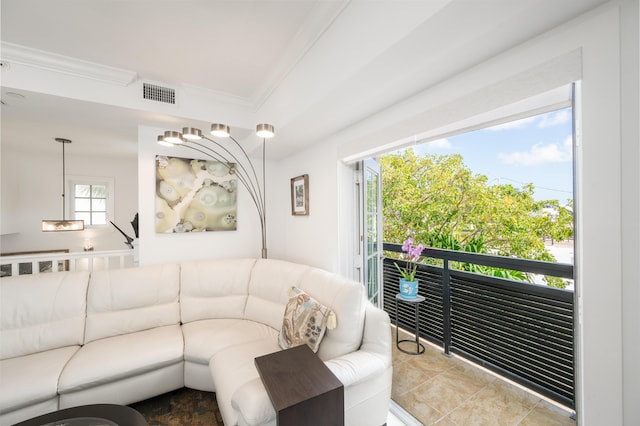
x=153 y=92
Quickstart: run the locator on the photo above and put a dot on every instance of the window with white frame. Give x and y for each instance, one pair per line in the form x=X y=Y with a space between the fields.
x=91 y=200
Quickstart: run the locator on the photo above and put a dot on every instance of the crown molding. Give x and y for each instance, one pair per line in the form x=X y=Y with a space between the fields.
x=48 y=61
x=318 y=21
x=218 y=96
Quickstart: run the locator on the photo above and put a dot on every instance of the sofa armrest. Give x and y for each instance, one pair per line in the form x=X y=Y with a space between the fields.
x=374 y=355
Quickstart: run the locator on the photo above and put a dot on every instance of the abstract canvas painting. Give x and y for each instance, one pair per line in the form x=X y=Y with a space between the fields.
x=195 y=195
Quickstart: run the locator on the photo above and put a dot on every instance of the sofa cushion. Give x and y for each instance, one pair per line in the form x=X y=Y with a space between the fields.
x=114 y=358
x=268 y=295
x=52 y=320
x=305 y=321
x=30 y=379
x=269 y=290
x=202 y=339
x=347 y=299
x=214 y=288
x=122 y=301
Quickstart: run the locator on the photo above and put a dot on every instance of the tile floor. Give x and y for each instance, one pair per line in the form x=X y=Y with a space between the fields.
x=437 y=390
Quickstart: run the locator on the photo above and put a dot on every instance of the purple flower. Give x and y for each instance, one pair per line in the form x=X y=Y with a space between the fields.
x=406 y=246
x=413 y=253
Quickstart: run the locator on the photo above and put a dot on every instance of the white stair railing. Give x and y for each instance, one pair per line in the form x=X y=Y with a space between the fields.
x=76 y=261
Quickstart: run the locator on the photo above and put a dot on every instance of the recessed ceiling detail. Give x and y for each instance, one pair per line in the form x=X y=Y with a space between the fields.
x=23 y=55
x=318 y=69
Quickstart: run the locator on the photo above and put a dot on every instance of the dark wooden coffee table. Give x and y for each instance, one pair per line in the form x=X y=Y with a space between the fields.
x=302 y=389
x=89 y=415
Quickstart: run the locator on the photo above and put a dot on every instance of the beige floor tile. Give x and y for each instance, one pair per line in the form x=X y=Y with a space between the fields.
x=445 y=422
x=448 y=390
x=471 y=373
x=498 y=403
x=433 y=361
x=420 y=408
x=545 y=414
x=407 y=377
x=443 y=391
x=399 y=356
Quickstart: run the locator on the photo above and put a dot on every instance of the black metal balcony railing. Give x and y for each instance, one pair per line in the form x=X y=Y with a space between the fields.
x=522 y=331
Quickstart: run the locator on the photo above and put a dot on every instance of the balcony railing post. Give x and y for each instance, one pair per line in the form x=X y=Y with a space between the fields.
x=446 y=308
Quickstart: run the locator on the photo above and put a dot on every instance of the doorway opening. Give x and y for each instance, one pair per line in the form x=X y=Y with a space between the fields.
x=500 y=239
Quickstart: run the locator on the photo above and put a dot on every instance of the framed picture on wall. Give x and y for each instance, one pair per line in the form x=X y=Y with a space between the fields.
x=300 y=195
x=195 y=195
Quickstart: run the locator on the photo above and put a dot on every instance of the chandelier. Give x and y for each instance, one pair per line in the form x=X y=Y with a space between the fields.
x=62 y=225
x=192 y=138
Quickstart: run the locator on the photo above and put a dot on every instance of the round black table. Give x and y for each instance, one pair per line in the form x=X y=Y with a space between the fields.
x=415 y=301
x=90 y=415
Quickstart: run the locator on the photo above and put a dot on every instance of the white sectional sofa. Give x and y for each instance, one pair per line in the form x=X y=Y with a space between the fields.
x=122 y=336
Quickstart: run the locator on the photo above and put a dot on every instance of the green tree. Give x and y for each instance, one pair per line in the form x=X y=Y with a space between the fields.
x=439 y=201
x=555 y=221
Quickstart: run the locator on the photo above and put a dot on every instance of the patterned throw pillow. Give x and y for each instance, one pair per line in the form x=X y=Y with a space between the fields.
x=305 y=321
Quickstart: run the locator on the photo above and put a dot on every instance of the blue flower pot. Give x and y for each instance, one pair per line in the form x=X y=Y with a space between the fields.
x=408 y=289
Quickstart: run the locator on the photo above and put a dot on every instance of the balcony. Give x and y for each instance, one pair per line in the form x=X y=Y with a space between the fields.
x=438 y=390
x=512 y=341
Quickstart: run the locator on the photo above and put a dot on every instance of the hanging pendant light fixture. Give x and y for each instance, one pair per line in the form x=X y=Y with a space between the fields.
x=192 y=138
x=62 y=225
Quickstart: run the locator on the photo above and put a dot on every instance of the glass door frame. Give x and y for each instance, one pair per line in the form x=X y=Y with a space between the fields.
x=370 y=229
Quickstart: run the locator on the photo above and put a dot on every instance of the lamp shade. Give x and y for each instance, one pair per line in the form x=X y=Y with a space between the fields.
x=265 y=130
x=173 y=137
x=191 y=133
x=220 y=130
x=162 y=142
x=62 y=225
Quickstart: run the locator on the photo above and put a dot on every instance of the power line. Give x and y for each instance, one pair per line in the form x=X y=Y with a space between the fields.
x=535 y=186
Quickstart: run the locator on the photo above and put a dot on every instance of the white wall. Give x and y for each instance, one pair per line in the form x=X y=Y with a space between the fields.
x=604 y=233
x=311 y=239
x=36 y=195
x=630 y=176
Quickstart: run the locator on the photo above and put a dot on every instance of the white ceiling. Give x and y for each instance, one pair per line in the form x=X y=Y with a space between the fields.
x=317 y=67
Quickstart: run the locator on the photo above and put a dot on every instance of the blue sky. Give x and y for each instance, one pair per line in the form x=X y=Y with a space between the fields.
x=534 y=150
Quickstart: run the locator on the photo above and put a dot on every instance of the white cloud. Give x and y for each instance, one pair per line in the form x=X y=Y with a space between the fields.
x=512 y=124
x=437 y=145
x=540 y=154
x=440 y=144
x=554 y=118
